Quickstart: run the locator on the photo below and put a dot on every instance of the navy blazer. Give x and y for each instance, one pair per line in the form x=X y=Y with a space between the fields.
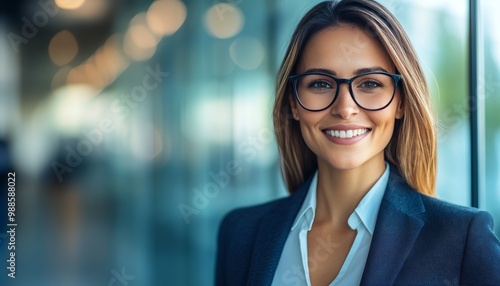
x=418 y=240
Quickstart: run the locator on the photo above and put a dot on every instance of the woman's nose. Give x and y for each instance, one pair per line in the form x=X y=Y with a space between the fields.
x=344 y=106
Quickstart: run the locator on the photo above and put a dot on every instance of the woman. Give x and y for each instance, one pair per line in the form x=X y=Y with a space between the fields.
x=358 y=146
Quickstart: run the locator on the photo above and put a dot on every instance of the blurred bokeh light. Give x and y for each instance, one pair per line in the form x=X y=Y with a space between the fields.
x=165 y=17
x=247 y=53
x=69 y=4
x=63 y=48
x=224 y=20
x=116 y=115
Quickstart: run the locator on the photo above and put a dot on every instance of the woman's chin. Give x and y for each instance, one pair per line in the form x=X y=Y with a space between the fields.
x=345 y=162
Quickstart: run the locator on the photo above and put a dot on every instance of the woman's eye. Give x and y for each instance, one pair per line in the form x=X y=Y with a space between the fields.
x=320 y=85
x=370 y=84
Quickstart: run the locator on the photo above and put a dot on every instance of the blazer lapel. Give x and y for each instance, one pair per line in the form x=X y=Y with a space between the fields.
x=398 y=225
x=272 y=235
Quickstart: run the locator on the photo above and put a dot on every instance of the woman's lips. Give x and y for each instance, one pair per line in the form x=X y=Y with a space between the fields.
x=346 y=136
x=347 y=133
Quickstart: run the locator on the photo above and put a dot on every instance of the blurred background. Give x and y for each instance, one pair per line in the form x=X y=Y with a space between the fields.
x=134 y=126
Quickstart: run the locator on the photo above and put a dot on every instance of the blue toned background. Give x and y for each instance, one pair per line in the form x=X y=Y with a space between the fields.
x=134 y=126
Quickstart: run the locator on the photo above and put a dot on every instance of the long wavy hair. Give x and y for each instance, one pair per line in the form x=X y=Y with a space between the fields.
x=412 y=147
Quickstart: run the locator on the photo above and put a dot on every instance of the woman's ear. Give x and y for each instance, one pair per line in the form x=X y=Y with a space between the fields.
x=400 y=110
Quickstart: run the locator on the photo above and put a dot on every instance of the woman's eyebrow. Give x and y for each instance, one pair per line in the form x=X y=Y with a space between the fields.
x=370 y=69
x=327 y=71
x=356 y=72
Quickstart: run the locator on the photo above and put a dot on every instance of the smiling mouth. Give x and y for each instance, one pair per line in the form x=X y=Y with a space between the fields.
x=347 y=133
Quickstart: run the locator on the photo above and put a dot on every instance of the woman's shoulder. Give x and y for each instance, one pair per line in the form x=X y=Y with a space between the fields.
x=452 y=218
x=466 y=233
x=239 y=226
x=434 y=208
x=437 y=214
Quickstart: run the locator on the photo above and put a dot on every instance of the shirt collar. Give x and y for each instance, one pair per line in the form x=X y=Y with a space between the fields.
x=366 y=211
x=308 y=209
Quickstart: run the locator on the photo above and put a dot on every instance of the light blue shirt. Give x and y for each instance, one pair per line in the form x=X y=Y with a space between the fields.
x=293 y=267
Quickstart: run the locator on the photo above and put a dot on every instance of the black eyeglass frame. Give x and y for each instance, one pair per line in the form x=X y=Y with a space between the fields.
x=293 y=79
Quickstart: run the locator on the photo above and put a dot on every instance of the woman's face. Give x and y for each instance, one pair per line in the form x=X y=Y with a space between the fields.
x=345 y=51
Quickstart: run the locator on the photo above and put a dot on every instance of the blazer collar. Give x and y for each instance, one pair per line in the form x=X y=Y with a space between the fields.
x=398 y=225
x=272 y=235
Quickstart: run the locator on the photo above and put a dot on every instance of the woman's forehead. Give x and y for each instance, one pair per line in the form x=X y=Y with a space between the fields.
x=344 y=50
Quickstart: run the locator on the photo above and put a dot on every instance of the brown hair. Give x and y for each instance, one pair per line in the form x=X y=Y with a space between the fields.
x=412 y=148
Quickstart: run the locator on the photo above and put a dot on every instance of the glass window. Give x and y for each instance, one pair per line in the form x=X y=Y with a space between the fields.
x=147 y=197
x=438 y=31
x=489 y=90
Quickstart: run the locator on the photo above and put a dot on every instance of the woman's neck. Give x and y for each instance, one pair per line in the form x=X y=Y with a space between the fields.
x=340 y=191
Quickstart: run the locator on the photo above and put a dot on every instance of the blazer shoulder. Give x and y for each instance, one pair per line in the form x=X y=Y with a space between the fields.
x=443 y=208
x=474 y=229
x=252 y=215
x=245 y=232
x=236 y=237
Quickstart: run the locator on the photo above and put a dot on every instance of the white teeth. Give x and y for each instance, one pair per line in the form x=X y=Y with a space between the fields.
x=346 y=133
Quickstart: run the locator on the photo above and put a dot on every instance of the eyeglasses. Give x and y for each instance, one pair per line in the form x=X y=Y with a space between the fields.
x=316 y=91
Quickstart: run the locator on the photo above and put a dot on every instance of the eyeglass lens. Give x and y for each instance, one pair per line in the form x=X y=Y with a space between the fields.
x=371 y=91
